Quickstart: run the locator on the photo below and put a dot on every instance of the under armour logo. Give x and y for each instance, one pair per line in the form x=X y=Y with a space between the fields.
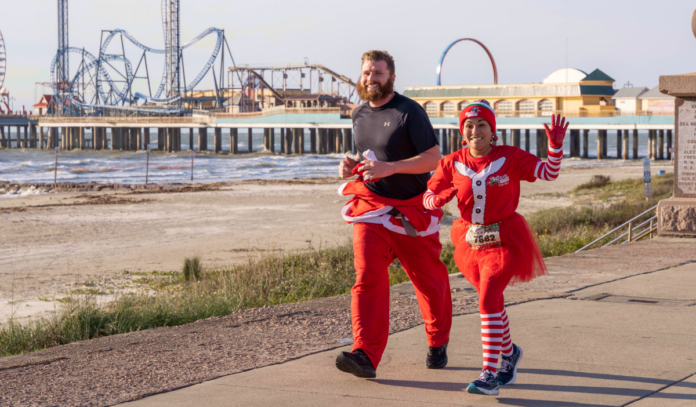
x=386 y=124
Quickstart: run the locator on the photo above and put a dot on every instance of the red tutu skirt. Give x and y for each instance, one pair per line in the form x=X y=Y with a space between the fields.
x=518 y=256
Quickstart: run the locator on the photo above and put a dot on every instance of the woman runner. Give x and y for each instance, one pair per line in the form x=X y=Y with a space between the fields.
x=494 y=246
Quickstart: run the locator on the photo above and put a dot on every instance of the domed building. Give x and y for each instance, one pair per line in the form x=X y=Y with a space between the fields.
x=567 y=91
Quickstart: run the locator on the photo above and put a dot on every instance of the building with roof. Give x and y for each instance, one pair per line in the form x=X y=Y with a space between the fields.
x=627 y=100
x=570 y=92
x=653 y=102
x=44 y=106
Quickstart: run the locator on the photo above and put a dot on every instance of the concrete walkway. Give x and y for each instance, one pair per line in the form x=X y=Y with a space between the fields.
x=626 y=342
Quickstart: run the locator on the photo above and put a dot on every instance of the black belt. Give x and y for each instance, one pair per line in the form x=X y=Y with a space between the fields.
x=410 y=230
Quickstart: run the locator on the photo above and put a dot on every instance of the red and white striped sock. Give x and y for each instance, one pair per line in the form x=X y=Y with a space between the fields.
x=507 y=341
x=491 y=338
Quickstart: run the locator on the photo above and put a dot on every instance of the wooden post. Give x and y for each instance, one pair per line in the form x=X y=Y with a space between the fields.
x=515 y=137
x=443 y=144
x=630 y=228
x=347 y=145
x=661 y=145
x=146 y=137
x=618 y=144
x=313 y=141
x=650 y=144
x=624 y=147
x=266 y=140
x=635 y=144
x=575 y=143
x=296 y=140
x=191 y=139
x=330 y=141
x=139 y=138
x=322 y=141
x=218 y=139
x=282 y=140
x=527 y=142
x=202 y=139
x=288 y=141
x=585 y=143
x=234 y=140
x=540 y=137
x=271 y=139
x=503 y=137
x=250 y=142
x=669 y=144
x=451 y=140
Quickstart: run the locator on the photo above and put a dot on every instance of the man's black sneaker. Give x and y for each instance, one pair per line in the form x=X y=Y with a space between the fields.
x=356 y=363
x=437 y=357
x=486 y=384
x=508 y=366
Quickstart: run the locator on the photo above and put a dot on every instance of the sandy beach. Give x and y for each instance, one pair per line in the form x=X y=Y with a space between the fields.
x=53 y=243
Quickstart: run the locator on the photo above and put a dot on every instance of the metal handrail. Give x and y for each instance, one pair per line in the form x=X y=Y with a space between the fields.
x=614 y=230
x=633 y=229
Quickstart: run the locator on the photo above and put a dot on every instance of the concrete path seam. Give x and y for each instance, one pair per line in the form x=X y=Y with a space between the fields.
x=658 y=390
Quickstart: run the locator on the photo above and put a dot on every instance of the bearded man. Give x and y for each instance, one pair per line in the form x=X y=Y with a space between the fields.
x=397 y=149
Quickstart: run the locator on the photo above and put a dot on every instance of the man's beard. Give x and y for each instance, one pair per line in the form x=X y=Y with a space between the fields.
x=379 y=94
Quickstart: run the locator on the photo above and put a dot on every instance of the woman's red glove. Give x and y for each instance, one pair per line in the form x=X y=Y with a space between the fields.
x=432 y=201
x=557 y=132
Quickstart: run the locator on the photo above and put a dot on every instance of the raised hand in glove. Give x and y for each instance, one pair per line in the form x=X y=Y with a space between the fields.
x=432 y=201
x=557 y=132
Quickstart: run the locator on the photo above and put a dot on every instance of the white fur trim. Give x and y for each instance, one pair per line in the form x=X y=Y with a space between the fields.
x=341 y=188
x=479 y=209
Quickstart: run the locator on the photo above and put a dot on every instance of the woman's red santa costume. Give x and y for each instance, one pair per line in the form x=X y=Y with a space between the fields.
x=494 y=246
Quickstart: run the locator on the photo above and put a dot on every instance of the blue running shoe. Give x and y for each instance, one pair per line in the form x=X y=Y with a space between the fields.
x=508 y=366
x=486 y=384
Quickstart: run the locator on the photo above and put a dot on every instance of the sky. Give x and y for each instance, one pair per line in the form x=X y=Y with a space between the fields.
x=632 y=41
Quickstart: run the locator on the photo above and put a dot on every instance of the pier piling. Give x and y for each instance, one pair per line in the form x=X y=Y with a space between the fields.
x=234 y=141
x=218 y=139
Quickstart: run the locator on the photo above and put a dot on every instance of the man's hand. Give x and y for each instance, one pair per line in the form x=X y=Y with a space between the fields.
x=345 y=168
x=373 y=170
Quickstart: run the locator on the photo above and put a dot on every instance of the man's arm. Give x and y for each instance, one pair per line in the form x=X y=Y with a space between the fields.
x=420 y=164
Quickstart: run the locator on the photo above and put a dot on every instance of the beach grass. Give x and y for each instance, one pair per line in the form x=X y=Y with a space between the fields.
x=178 y=297
x=602 y=206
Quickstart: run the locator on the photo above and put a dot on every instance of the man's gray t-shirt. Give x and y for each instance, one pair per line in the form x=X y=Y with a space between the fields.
x=395 y=131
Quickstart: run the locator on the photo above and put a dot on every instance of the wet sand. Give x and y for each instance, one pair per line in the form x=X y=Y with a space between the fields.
x=53 y=243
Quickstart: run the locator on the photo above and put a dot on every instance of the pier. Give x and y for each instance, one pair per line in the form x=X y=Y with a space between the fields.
x=316 y=131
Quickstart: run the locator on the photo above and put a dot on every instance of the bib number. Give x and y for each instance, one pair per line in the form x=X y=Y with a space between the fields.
x=482 y=237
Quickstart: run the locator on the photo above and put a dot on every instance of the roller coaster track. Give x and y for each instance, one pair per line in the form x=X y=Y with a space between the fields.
x=122 y=94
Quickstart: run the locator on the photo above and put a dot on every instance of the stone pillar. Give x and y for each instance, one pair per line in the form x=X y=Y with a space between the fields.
x=677 y=216
x=669 y=144
x=202 y=139
x=312 y=141
x=234 y=140
x=661 y=145
x=635 y=144
x=624 y=147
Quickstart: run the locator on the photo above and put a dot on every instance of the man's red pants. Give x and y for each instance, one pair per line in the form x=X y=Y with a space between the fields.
x=375 y=249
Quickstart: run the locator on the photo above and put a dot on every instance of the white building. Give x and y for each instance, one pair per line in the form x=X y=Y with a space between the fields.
x=627 y=100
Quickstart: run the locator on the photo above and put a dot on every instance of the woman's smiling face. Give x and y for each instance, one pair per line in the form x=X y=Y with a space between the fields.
x=478 y=133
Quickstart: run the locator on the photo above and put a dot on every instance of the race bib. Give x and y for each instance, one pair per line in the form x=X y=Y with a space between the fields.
x=482 y=237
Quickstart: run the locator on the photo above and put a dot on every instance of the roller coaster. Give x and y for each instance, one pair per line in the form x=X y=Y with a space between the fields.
x=103 y=84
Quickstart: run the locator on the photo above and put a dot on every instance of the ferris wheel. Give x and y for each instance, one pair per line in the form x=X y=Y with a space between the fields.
x=3 y=69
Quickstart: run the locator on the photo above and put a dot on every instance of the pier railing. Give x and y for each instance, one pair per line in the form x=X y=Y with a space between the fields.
x=116 y=120
x=279 y=110
x=548 y=113
x=636 y=228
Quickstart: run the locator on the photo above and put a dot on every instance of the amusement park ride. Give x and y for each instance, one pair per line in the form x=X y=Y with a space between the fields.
x=4 y=94
x=104 y=84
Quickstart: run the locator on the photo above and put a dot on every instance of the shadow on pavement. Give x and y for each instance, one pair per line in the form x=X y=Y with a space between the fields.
x=444 y=386
x=542 y=403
